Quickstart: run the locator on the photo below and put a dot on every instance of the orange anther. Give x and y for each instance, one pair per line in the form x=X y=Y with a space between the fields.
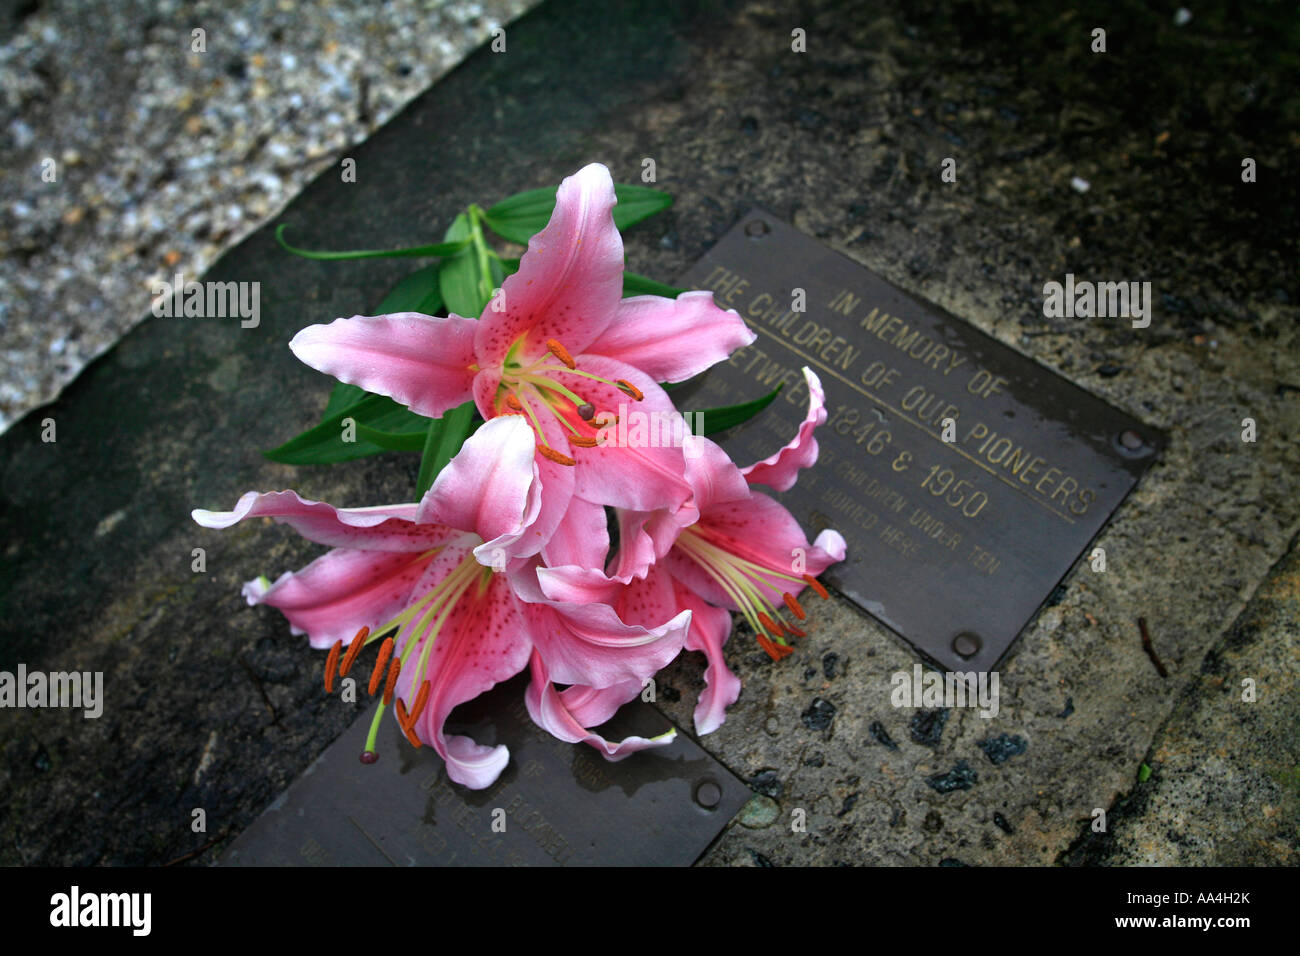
x=795 y=631
x=385 y=652
x=795 y=608
x=421 y=699
x=555 y=456
x=561 y=353
x=768 y=646
x=583 y=441
x=394 y=669
x=354 y=649
x=816 y=585
x=331 y=663
x=631 y=389
x=513 y=402
x=775 y=629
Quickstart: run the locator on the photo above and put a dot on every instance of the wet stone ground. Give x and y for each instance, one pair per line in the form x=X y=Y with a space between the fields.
x=213 y=704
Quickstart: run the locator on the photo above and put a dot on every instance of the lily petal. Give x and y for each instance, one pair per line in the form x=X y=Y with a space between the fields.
x=548 y=710
x=592 y=706
x=574 y=584
x=831 y=542
x=590 y=644
x=710 y=628
x=570 y=279
x=418 y=360
x=713 y=476
x=481 y=644
x=342 y=591
x=780 y=471
x=641 y=465
x=582 y=538
x=672 y=339
x=644 y=537
x=491 y=487
x=391 y=528
x=762 y=531
x=556 y=480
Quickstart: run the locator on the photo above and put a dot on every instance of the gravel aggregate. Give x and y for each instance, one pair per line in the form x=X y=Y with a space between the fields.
x=161 y=157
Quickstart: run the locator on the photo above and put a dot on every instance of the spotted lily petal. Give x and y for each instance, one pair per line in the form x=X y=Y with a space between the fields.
x=672 y=339
x=481 y=643
x=418 y=360
x=570 y=279
x=342 y=591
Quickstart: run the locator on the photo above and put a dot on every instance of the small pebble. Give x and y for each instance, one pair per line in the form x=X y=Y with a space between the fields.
x=760 y=812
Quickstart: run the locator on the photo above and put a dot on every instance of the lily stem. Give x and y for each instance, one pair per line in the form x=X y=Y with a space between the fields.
x=483 y=251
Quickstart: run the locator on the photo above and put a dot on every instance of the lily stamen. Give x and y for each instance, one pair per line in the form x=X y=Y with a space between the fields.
x=393 y=670
x=358 y=642
x=385 y=652
x=561 y=353
x=630 y=389
x=331 y=663
x=748 y=585
x=555 y=456
x=421 y=699
x=793 y=604
x=816 y=585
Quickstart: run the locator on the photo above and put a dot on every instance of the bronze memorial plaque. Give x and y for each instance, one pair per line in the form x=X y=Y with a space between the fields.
x=556 y=804
x=954 y=544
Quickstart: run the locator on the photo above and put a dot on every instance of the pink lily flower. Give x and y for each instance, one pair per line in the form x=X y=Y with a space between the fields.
x=414 y=576
x=560 y=347
x=746 y=553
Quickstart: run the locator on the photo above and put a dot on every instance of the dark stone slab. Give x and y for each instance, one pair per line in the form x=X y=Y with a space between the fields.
x=212 y=705
x=981 y=475
x=554 y=805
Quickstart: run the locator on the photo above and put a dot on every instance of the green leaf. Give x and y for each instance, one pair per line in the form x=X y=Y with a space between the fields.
x=523 y=214
x=638 y=202
x=634 y=284
x=393 y=441
x=727 y=416
x=324 y=444
x=1144 y=773
x=417 y=292
x=458 y=277
x=415 y=252
x=343 y=397
x=526 y=213
x=444 y=439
